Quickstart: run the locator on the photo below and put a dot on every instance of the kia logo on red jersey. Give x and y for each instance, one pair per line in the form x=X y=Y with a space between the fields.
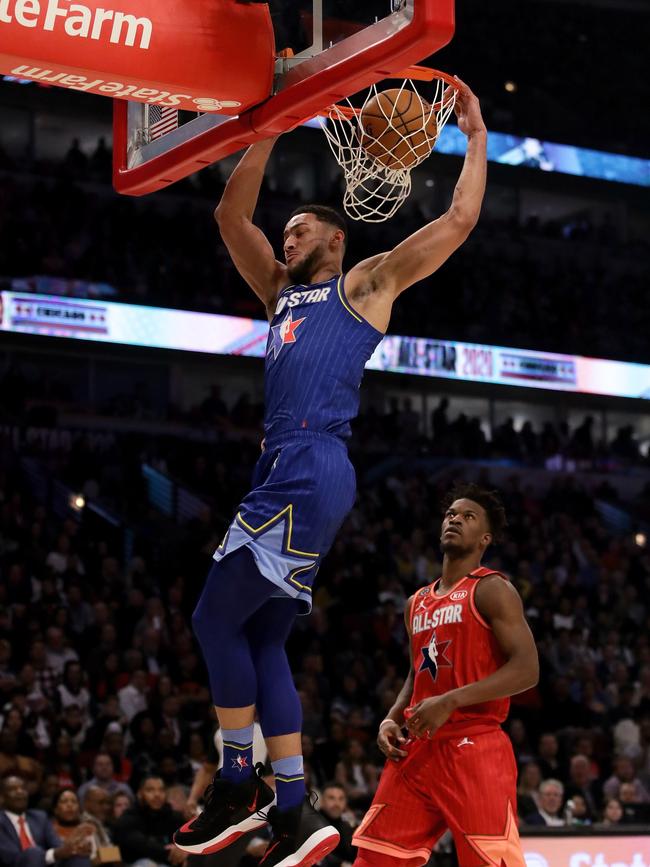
x=458 y=594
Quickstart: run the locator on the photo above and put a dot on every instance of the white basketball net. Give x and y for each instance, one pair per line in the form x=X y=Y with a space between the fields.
x=374 y=191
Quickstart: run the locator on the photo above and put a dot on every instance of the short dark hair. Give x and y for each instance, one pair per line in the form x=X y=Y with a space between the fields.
x=325 y=214
x=147 y=777
x=332 y=784
x=61 y=793
x=488 y=500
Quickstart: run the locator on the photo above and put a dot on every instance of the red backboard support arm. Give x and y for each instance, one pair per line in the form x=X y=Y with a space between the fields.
x=374 y=53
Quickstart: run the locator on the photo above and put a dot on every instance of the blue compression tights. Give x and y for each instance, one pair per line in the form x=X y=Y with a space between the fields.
x=242 y=631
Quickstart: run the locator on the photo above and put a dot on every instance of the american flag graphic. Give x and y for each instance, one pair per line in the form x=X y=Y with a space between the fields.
x=161 y=121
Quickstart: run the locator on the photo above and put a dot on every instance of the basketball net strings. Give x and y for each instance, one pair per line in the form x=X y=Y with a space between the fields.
x=374 y=191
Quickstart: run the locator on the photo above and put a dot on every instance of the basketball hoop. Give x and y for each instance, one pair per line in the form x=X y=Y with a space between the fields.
x=377 y=166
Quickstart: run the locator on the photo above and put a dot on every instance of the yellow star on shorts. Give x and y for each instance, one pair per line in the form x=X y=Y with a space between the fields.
x=501 y=849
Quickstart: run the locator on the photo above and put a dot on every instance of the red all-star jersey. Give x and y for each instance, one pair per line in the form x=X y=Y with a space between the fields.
x=452 y=646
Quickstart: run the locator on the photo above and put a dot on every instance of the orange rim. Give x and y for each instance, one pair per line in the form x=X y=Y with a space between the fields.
x=415 y=73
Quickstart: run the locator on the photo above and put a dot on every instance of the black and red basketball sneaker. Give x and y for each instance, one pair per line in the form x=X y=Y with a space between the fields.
x=231 y=809
x=301 y=837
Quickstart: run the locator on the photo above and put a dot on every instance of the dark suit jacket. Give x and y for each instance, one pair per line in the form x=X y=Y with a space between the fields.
x=535 y=818
x=144 y=833
x=345 y=851
x=40 y=828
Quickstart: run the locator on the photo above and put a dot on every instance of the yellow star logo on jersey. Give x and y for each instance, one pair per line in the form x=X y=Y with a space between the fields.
x=500 y=850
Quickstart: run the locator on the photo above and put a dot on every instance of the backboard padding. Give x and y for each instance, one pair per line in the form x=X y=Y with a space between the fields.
x=304 y=86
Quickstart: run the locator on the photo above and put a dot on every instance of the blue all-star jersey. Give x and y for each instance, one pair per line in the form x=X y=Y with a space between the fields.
x=317 y=349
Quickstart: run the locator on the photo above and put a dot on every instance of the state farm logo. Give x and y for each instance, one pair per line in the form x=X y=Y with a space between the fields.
x=457 y=595
x=119 y=90
x=79 y=21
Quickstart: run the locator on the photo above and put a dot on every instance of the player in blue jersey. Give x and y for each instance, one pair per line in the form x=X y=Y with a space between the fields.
x=324 y=326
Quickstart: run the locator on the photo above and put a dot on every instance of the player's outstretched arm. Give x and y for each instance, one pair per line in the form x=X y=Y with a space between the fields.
x=422 y=253
x=249 y=248
x=500 y=605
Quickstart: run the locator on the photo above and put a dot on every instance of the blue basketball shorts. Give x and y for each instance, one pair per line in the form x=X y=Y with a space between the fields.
x=303 y=487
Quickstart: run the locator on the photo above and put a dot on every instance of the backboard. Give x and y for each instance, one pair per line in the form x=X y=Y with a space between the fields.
x=319 y=52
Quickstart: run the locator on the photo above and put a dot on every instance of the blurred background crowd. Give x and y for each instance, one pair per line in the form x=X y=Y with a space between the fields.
x=576 y=283
x=105 y=711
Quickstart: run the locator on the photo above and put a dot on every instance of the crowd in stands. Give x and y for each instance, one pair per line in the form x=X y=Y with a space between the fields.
x=35 y=397
x=400 y=430
x=504 y=286
x=104 y=709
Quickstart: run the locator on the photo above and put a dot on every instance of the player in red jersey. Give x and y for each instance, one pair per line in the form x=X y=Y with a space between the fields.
x=471 y=649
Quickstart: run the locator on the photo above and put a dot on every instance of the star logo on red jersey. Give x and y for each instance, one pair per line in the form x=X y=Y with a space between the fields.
x=284 y=333
x=434 y=656
x=240 y=763
x=499 y=849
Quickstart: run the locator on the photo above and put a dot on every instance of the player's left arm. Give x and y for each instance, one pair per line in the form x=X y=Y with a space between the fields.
x=499 y=604
x=422 y=253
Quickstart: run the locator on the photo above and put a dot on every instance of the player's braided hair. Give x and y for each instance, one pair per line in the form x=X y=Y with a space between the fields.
x=489 y=500
x=325 y=215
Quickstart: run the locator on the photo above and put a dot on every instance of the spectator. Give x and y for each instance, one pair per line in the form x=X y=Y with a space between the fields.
x=171 y=720
x=113 y=745
x=76 y=161
x=548 y=750
x=144 y=832
x=634 y=811
x=74 y=725
x=57 y=653
x=80 y=612
x=64 y=762
x=357 y=775
x=7 y=674
x=45 y=676
x=120 y=803
x=612 y=813
x=27 y=838
x=66 y=816
x=104 y=777
x=519 y=739
x=62 y=559
x=528 y=782
x=71 y=690
x=14 y=722
x=582 y=783
x=13 y=763
x=549 y=812
x=97 y=812
x=577 y=811
x=133 y=697
x=625 y=772
x=333 y=805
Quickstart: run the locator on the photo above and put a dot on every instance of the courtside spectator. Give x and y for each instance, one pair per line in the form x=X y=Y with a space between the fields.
x=581 y=782
x=97 y=812
x=144 y=832
x=549 y=812
x=27 y=838
x=612 y=813
x=333 y=805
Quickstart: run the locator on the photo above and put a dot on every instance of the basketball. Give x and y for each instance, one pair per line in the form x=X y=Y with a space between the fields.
x=399 y=128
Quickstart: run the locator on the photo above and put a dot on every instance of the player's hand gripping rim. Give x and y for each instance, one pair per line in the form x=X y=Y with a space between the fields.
x=390 y=735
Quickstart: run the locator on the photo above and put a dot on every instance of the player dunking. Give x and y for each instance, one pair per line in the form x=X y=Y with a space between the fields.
x=324 y=327
x=471 y=649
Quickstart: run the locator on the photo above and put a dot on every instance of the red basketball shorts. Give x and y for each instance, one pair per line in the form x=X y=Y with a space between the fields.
x=465 y=783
